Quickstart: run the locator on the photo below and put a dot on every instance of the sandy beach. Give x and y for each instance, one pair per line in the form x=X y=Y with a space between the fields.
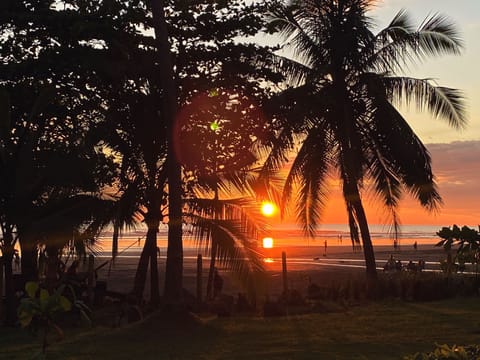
x=304 y=264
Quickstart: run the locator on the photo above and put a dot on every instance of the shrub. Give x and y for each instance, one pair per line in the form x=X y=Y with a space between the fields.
x=40 y=310
x=445 y=352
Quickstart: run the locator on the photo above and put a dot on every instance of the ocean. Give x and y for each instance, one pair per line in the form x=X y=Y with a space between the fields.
x=284 y=235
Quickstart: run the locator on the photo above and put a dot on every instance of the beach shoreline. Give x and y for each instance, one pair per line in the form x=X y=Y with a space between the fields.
x=305 y=264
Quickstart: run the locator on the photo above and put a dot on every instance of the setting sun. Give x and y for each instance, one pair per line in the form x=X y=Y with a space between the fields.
x=268 y=243
x=268 y=209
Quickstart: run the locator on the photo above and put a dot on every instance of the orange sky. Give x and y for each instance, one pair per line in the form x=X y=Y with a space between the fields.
x=455 y=154
x=457 y=169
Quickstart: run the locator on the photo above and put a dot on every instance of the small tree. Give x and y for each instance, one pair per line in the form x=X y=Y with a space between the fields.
x=39 y=310
x=468 y=242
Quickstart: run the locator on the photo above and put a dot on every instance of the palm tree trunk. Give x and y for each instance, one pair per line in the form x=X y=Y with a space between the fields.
x=148 y=255
x=116 y=231
x=53 y=267
x=368 y=252
x=29 y=259
x=10 y=308
x=141 y=273
x=211 y=270
x=213 y=254
x=174 y=266
x=29 y=263
x=154 y=286
x=358 y=217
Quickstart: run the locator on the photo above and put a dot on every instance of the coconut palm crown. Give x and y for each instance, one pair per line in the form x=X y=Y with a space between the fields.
x=339 y=109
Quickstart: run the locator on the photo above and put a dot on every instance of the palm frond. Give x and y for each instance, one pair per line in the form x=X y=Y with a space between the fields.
x=442 y=102
x=295 y=72
x=291 y=108
x=297 y=24
x=391 y=51
x=400 y=44
x=268 y=187
x=245 y=211
x=309 y=171
x=236 y=250
x=437 y=35
x=277 y=152
x=405 y=155
x=387 y=185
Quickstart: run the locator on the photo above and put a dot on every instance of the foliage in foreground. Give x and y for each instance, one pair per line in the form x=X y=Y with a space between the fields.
x=445 y=352
x=377 y=331
x=40 y=310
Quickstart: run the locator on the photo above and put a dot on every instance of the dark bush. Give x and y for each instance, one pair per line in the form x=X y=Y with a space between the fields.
x=445 y=352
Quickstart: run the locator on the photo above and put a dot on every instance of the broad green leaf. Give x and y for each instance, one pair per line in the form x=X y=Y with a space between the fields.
x=44 y=297
x=65 y=304
x=31 y=288
x=25 y=318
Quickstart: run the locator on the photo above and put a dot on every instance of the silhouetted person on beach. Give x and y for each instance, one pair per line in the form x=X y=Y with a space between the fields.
x=398 y=265
x=390 y=265
x=411 y=266
x=415 y=245
x=325 y=251
x=421 y=265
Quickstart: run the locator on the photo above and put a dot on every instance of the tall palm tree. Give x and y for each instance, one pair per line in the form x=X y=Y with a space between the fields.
x=345 y=82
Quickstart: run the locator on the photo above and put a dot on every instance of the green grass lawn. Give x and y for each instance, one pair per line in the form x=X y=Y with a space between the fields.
x=387 y=330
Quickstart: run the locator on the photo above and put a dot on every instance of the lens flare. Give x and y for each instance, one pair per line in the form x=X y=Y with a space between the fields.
x=214 y=126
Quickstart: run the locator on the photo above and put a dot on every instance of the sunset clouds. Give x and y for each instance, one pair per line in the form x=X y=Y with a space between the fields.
x=457 y=169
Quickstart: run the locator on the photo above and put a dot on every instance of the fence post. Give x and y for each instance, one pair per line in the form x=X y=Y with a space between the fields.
x=284 y=272
x=90 y=279
x=1 y=287
x=199 y=278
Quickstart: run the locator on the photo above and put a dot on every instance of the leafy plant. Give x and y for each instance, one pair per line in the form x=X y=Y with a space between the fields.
x=468 y=250
x=40 y=309
x=444 y=352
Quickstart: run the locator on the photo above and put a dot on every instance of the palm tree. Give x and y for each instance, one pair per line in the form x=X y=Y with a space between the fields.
x=345 y=82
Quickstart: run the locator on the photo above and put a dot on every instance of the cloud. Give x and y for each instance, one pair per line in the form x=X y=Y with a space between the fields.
x=456 y=163
x=457 y=168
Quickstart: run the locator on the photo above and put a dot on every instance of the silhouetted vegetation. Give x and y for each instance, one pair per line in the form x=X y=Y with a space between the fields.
x=337 y=112
x=115 y=113
x=467 y=243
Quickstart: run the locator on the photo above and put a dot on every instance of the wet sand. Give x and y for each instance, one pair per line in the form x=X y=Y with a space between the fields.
x=304 y=264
